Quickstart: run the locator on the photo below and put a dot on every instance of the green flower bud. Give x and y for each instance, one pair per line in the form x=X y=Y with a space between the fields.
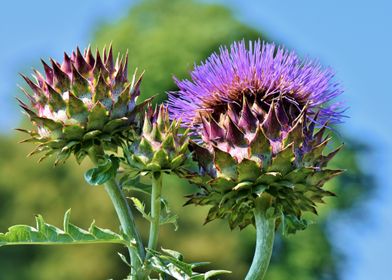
x=160 y=146
x=82 y=102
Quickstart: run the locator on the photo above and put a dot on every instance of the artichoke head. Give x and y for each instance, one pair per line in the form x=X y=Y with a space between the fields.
x=84 y=101
x=249 y=152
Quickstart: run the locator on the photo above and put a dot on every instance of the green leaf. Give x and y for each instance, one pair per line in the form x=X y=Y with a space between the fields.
x=141 y=208
x=167 y=217
x=124 y=259
x=298 y=175
x=316 y=152
x=320 y=177
x=212 y=273
x=106 y=170
x=46 y=234
x=173 y=253
x=62 y=157
x=171 y=263
x=129 y=183
x=291 y=224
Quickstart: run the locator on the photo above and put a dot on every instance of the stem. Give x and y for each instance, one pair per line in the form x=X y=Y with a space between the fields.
x=265 y=234
x=155 y=210
x=127 y=222
x=125 y=216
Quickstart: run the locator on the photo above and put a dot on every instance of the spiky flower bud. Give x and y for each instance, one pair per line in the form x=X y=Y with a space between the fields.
x=254 y=113
x=86 y=100
x=160 y=146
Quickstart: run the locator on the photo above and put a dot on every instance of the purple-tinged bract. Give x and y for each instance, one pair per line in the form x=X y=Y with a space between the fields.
x=86 y=100
x=261 y=72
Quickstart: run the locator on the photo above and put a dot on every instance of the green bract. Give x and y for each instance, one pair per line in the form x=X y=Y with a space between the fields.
x=289 y=179
x=160 y=147
x=84 y=101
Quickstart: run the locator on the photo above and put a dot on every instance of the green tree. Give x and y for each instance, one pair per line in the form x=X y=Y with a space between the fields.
x=165 y=38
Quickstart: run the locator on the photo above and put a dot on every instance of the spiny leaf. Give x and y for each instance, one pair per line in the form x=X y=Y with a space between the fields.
x=291 y=224
x=167 y=217
x=46 y=234
x=171 y=263
x=141 y=208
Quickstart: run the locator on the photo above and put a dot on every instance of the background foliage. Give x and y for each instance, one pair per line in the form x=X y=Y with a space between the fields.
x=156 y=44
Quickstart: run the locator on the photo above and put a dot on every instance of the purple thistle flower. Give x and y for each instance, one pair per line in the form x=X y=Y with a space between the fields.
x=264 y=72
x=259 y=115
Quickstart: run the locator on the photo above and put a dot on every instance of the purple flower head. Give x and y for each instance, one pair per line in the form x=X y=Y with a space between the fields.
x=262 y=73
x=259 y=115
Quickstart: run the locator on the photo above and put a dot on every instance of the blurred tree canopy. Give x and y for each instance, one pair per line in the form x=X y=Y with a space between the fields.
x=163 y=38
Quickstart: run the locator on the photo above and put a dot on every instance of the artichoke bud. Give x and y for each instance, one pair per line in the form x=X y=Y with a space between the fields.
x=84 y=101
x=160 y=146
x=250 y=151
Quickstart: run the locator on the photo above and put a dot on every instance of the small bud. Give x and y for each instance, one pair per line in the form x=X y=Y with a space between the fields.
x=160 y=146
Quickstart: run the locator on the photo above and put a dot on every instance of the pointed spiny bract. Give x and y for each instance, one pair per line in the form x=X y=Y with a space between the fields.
x=289 y=170
x=253 y=113
x=81 y=102
x=263 y=72
x=160 y=146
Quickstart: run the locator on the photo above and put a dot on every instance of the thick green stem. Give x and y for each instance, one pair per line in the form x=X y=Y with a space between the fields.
x=125 y=216
x=155 y=210
x=265 y=234
x=127 y=223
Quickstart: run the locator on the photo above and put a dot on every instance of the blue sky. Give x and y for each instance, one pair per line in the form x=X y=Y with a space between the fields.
x=30 y=30
x=354 y=37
